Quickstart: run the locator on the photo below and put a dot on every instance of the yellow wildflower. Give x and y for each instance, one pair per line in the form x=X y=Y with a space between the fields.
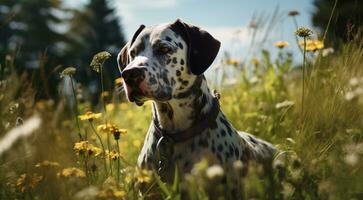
x=112 y=129
x=26 y=182
x=312 y=45
x=71 y=172
x=110 y=193
x=99 y=59
x=110 y=107
x=139 y=175
x=90 y=116
x=123 y=106
x=113 y=155
x=84 y=146
x=232 y=62
x=119 y=81
x=47 y=163
x=255 y=61
x=281 y=44
x=105 y=94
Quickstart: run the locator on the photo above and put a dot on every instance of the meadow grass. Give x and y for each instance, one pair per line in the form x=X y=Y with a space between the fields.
x=321 y=146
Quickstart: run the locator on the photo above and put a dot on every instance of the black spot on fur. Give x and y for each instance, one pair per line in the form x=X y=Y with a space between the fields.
x=180 y=45
x=252 y=139
x=178 y=73
x=153 y=81
x=174 y=60
x=223 y=132
x=236 y=152
x=220 y=148
x=168 y=61
x=231 y=150
x=227 y=125
x=185 y=82
x=182 y=61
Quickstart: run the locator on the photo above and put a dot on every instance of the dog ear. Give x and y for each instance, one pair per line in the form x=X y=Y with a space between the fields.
x=202 y=46
x=123 y=58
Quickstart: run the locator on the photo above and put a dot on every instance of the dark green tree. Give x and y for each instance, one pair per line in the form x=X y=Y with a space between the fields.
x=6 y=16
x=29 y=30
x=96 y=28
x=347 y=19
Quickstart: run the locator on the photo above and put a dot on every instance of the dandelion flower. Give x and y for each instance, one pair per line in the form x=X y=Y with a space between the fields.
x=110 y=194
x=232 y=62
x=90 y=116
x=112 y=129
x=110 y=107
x=123 y=106
x=119 y=81
x=71 y=172
x=69 y=71
x=303 y=32
x=105 y=94
x=281 y=44
x=99 y=59
x=255 y=61
x=85 y=147
x=47 y=163
x=28 y=182
x=113 y=155
x=312 y=45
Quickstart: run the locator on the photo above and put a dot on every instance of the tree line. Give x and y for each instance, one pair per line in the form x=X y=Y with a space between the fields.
x=44 y=36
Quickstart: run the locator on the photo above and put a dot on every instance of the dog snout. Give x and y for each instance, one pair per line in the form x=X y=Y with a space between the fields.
x=132 y=75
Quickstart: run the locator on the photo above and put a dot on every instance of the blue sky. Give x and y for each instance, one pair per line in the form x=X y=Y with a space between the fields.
x=227 y=20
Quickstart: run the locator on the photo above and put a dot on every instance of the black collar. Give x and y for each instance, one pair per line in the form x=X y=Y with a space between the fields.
x=193 y=131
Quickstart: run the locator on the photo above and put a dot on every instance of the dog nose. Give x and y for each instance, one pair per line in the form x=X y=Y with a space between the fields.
x=131 y=75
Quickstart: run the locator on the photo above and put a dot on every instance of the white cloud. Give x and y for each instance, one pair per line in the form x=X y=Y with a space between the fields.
x=230 y=36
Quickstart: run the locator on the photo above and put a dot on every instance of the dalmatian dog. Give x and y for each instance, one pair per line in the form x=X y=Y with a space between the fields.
x=165 y=64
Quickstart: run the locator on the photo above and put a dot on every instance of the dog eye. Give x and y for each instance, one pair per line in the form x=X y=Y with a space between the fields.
x=164 y=50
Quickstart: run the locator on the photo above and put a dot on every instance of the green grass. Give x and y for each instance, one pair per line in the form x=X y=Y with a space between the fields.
x=321 y=147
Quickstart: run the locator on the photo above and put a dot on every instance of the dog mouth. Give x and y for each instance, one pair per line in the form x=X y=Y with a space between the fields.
x=134 y=94
x=138 y=96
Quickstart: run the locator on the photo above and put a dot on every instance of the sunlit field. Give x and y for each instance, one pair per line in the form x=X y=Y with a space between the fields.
x=310 y=106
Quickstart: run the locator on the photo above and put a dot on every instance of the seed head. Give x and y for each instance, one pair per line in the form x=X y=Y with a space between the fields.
x=293 y=13
x=99 y=59
x=68 y=72
x=303 y=32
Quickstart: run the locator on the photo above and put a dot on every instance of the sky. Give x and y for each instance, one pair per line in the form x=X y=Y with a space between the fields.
x=227 y=20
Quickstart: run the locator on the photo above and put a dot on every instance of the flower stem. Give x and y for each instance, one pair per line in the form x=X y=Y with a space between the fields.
x=303 y=81
x=104 y=108
x=118 y=162
x=76 y=109
x=103 y=147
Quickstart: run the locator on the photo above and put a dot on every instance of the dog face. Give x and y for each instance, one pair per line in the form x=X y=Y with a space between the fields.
x=162 y=62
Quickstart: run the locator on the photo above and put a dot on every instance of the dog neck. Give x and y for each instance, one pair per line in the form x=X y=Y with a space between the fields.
x=185 y=109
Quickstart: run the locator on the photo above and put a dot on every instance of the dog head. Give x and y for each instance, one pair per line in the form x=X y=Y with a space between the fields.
x=163 y=61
